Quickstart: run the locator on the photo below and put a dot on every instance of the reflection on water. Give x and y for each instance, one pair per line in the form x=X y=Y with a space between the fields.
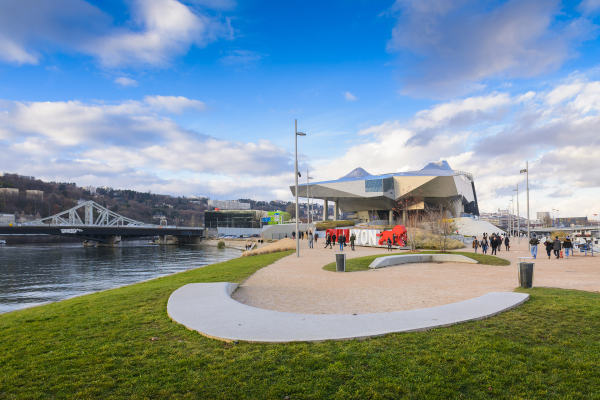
x=34 y=274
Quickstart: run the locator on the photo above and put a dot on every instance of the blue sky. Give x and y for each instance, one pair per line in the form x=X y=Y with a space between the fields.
x=199 y=97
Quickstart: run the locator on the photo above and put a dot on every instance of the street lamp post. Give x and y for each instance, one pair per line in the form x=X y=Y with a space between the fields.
x=526 y=170
x=553 y=218
x=557 y=218
x=308 y=197
x=296 y=176
x=518 y=214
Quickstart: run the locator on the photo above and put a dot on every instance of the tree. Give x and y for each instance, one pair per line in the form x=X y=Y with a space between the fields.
x=547 y=221
x=291 y=209
x=412 y=220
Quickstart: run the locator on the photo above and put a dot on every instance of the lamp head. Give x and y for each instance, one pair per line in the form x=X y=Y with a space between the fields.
x=523 y=171
x=300 y=133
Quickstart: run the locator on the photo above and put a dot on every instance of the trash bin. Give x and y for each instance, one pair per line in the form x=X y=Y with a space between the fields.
x=340 y=262
x=526 y=274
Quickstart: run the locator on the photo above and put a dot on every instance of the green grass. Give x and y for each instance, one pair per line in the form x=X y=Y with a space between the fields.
x=99 y=346
x=329 y=224
x=362 y=263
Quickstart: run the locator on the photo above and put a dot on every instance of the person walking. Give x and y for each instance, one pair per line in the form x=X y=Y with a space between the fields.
x=316 y=237
x=534 y=244
x=389 y=243
x=310 y=240
x=333 y=238
x=567 y=245
x=484 y=245
x=341 y=240
x=475 y=244
x=499 y=242
x=294 y=235
x=327 y=239
x=493 y=244
x=557 y=246
x=352 y=239
x=507 y=243
x=549 y=246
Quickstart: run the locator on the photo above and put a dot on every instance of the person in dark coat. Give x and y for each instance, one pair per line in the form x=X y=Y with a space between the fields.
x=556 y=247
x=549 y=246
x=475 y=244
x=316 y=237
x=484 y=245
x=352 y=239
x=499 y=242
x=341 y=239
x=333 y=238
x=568 y=246
x=507 y=243
x=389 y=243
x=493 y=244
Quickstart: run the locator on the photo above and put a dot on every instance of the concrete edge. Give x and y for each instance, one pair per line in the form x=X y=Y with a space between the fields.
x=225 y=309
x=381 y=260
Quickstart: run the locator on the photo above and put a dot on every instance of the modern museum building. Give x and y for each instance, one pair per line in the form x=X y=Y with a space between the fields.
x=393 y=196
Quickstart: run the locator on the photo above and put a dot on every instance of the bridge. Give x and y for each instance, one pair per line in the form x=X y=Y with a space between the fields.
x=91 y=222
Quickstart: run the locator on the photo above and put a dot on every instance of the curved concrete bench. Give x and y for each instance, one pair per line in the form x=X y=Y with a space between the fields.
x=209 y=309
x=419 y=258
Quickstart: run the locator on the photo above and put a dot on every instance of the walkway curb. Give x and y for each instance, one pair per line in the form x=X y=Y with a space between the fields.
x=391 y=261
x=209 y=309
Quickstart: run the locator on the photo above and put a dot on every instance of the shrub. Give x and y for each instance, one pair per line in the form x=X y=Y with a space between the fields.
x=281 y=245
x=221 y=244
x=321 y=226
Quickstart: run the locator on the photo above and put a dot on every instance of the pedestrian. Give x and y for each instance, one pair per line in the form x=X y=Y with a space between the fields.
x=499 y=242
x=534 y=244
x=567 y=245
x=556 y=246
x=301 y=235
x=352 y=239
x=549 y=246
x=394 y=239
x=389 y=243
x=494 y=244
x=310 y=240
x=475 y=244
x=507 y=243
x=341 y=240
x=333 y=237
x=316 y=237
x=484 y=245
x=327 y=239
x=293 y=235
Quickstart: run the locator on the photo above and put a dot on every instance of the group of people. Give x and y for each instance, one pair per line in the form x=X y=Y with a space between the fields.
x=330 y=240
x=494 y=241
x=552 y=246
x=312 y=238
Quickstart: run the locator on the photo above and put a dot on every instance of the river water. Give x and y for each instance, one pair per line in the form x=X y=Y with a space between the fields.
x=38 y=273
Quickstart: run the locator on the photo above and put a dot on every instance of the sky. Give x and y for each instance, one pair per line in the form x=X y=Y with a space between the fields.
x=199 y=97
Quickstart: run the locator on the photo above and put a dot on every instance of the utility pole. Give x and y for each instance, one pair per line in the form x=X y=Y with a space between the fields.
x=518 y=215
x=526 y=170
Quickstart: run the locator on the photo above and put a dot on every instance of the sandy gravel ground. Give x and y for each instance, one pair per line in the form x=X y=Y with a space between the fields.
x=300 y=285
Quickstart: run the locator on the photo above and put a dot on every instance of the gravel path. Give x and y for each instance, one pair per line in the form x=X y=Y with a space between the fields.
x=300 y=285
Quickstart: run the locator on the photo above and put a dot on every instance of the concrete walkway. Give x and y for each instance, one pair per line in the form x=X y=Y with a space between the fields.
x=209 y=309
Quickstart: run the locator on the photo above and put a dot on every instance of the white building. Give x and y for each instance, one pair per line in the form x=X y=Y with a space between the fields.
x=6 y=219
x=90 y=189
x=228 y=205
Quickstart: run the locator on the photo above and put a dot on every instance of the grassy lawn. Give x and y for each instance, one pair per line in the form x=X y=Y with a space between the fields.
x=99 y=346
x=362 y=263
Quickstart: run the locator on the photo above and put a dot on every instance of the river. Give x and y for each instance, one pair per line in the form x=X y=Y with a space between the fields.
x=38 y=273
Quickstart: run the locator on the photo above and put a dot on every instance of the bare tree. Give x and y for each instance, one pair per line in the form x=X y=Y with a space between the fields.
x=439 y=225
x=412 y=220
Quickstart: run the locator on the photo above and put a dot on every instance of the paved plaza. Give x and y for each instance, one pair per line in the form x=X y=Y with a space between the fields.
x=300 y=285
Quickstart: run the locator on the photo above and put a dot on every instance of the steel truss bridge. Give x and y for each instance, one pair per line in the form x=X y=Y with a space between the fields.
x=90 y=221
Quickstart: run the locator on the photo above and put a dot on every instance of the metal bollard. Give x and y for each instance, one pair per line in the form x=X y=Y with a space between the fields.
x=526 y=274
x=340 y=262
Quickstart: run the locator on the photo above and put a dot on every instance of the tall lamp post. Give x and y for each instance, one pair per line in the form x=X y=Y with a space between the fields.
x=297 y=174
x=526 y=171
x=518 y=215
x=557 y=219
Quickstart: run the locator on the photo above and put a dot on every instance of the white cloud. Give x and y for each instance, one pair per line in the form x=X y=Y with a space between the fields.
x=349 y=96
x=158 y=31
x=174 y=104
x=132 y=144
x=461 y=43
x=125 y=82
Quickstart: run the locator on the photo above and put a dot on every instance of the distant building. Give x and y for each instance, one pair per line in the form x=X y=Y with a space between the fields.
x=571 y=221
x=228 y=205
x=6 y=219
x=9 y=191
x=35 y=194
x=19 y=176
x=90 y=189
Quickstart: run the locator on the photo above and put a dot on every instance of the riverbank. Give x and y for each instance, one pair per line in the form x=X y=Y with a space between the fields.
x=121 y=344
